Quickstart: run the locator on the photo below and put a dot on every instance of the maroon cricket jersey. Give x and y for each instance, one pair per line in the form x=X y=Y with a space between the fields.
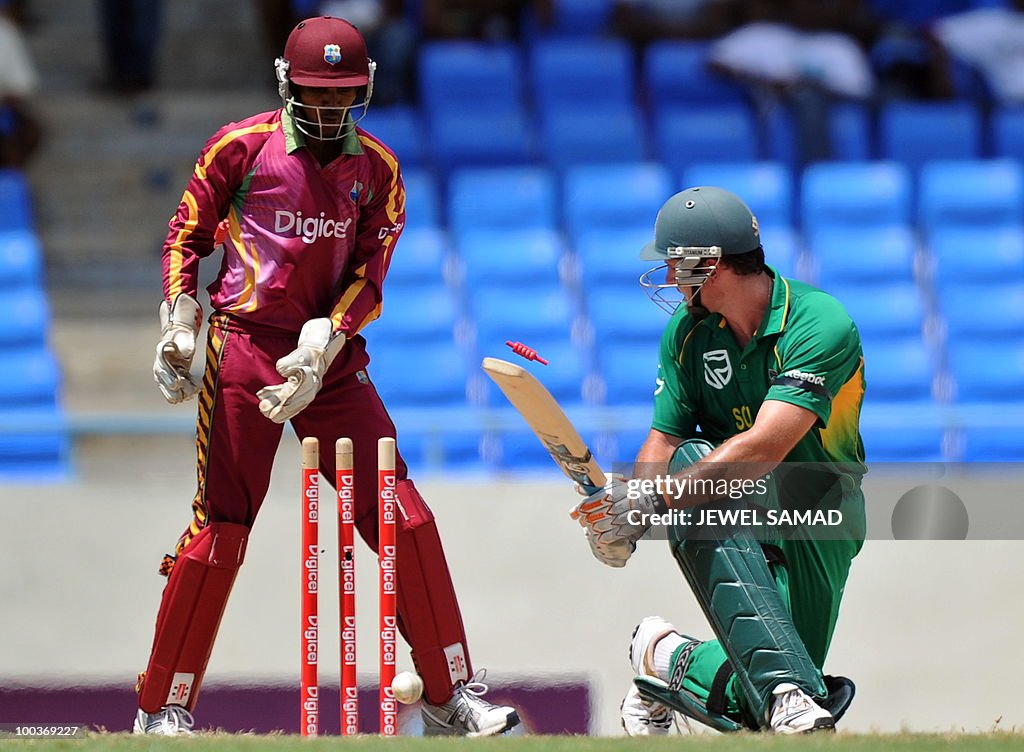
x=304 y=241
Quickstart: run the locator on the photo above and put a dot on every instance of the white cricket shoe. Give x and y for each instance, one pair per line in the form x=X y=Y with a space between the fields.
x=467 y=714
x=170 y=720
x=642 y=717
x=793 y=712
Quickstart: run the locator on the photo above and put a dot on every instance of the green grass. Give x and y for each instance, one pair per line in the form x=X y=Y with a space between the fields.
x=734 y=743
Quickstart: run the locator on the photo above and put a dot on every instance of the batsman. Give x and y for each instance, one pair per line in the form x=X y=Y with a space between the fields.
x=759 y=388
x=313 y=206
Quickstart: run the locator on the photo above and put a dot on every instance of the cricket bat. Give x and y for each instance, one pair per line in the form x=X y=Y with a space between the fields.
x=549 y=422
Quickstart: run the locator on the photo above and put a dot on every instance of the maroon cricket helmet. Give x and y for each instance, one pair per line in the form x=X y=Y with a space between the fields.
x=327 y=52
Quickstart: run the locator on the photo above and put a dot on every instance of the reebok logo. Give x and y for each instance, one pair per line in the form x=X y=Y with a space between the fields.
x=804 y=376
x=310 y=228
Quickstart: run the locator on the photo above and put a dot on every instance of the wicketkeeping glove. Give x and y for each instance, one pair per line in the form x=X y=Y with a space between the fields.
x=179 y=325
x=304 y=368
x=616 y=513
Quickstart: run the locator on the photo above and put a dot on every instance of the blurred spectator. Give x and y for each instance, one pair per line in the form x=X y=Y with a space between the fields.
x=991 y=42
x=642 y=21
x=19 y=131
x=131 y=36
x=787 y=44
x=490 y=20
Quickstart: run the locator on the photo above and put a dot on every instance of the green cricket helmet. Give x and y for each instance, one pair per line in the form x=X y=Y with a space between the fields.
x=697 y=227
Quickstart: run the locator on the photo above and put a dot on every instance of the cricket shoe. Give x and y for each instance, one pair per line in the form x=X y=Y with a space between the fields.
x=793 y=712
x=170 y=720
x=467 y=713
x=642 y=717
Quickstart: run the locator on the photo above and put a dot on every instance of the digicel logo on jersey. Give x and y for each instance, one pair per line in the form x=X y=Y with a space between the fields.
x=310 y=228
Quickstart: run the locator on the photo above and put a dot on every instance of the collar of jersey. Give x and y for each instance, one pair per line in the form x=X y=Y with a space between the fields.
x=774 y=321
x=294 y=139
x=775 y=317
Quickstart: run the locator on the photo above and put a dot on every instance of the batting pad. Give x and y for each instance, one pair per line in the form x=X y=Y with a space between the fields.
x=728 y=573
x=190 y=612
x=427 y=606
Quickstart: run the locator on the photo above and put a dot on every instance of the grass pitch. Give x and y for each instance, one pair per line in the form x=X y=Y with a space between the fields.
x=733 y=743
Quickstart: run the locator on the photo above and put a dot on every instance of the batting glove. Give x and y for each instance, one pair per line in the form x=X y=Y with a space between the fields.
x=304 y=368
x=179 y=325
x=617 y=513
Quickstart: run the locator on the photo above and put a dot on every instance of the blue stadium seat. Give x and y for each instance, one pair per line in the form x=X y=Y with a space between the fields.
x=620 y=447
x=1008 y=132
x=521 y=450
x=783 y=144
x=629 y=371
x=611 y=257
x=685 y=135
x=15 y=202
x=581 y=72
x=918 y=13
x=419 y=261
x=570 y=18
x=918 y=132
x=902 y=444
x=413 y=314
x=899 y=370
x=400 y=128
x=954 y=254
x=478 y=138
x=621 y=315
x=422 y=202
x=992 y=445
x=601 y=133
x=988 y=312
x=528 y=315
x=883 y=310
x=26 y=316
x=849 y=128
x=463 y=77
x=21 y=259
x=982 y=193
x=855 y=195
x=987 y=373
x=38 y=376
x=565 y=376
x=516 y=197
x=676 y=74
x=872 y=254
x=431 y=373
x=766 y=187
x=514 y=256
x=781 y=250
x=441 y=450
x=40 y=452
x=614 y=195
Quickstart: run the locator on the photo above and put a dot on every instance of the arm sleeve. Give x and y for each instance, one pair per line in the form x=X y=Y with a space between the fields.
x=674 y=408
x=217 y=176
x=816 y=360
x=380 y=225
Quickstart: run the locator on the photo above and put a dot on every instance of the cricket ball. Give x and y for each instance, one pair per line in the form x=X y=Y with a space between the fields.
x=408 y=687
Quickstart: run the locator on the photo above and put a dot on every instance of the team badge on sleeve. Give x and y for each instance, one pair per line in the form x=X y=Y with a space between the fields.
x=332 y=53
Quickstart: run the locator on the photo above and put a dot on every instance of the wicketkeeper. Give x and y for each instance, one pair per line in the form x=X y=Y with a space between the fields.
x=754 y=370
x=314 y=206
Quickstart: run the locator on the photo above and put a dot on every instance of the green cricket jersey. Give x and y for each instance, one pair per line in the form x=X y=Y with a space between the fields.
x=806 y=351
